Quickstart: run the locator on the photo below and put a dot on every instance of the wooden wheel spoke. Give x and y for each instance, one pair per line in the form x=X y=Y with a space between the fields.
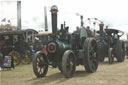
x=39 y=58
x=40 y=70
x=93 y=66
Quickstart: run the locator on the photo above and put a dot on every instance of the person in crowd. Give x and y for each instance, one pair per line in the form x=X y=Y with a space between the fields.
x=1 y=61
x=77 y=31
x=83 y=35
x=76 y=37
x=44 y=49
x=89 y=32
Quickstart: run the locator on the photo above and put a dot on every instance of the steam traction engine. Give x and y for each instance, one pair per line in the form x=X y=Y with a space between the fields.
x=65 y=51
x=110 y=45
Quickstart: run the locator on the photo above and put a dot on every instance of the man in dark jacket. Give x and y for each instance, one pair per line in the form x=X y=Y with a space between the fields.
x=127 y=52
x=89 y=32
x=1 y=61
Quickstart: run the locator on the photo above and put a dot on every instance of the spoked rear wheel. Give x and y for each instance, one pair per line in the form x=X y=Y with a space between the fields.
x=68 y=64
x=16 y=57
x=118 y=51
x=40 y=64
x=123 y=50
x=26 y=57
x=90 y=60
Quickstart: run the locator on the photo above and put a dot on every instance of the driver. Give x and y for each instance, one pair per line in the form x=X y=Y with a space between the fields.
x=83 y=35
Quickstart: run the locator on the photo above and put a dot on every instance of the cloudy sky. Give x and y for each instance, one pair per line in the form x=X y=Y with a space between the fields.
x=112 y=12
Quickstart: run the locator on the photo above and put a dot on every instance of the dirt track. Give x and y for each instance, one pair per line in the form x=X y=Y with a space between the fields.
x=115 y=74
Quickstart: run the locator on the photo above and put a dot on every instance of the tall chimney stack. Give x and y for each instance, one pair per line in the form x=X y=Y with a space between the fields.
x=19 y=15
x=54 y=11
x=101 y=28
x=127 y=36
x=82 y=22
x=45 y=19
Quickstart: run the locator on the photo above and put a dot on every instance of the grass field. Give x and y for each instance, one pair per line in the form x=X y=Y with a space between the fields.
x=115 y=74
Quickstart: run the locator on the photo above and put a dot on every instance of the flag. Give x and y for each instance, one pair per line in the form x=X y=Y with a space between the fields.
x=3 y=20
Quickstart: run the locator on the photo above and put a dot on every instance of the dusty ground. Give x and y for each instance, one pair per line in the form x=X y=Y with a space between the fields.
x=115 y=74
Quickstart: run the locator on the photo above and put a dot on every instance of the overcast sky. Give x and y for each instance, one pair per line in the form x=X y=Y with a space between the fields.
x=110 y=11
x=113 y=12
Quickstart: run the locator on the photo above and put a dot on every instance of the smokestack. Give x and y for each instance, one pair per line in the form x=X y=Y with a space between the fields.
x=127 y=36
x=45 y=19
x=101 y=28
x=18 y=15
x=82 y=22
x=54 y=11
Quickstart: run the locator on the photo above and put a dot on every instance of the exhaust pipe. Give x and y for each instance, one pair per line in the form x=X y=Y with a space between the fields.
x=45 y=19
x=19 y=15
x=101 y=28
x=82 y=22
x=54 y=11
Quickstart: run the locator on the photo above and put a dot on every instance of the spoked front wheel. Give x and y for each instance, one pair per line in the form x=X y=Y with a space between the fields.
x=110 y=56
x=40 y=64
x=68 y=63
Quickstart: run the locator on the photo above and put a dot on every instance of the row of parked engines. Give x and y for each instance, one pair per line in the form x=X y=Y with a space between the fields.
x=65 y=50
